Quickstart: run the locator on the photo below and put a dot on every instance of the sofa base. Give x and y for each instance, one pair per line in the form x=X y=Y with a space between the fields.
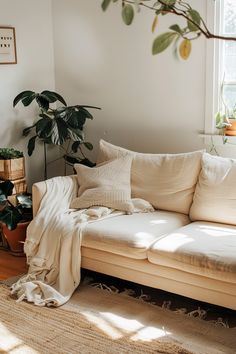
x=222 y=295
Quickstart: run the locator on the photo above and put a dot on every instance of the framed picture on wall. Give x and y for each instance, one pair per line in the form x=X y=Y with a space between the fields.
x=7 y=45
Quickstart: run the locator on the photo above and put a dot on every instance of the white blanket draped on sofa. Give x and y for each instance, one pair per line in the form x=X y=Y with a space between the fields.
x=53 y=245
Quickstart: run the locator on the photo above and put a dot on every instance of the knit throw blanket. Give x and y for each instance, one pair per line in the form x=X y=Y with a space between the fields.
x=53 y=244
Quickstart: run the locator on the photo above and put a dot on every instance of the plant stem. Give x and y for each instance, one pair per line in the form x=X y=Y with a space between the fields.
x=45 y=161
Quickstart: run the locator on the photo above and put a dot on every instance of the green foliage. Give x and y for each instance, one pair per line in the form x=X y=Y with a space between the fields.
x=55 y=126
x=10 y=153
x=193 y=29
x=9 y=214
x=163 y=41
x=128 y=14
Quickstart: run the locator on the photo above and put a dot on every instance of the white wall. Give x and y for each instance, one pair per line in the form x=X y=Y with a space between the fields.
x=32 y=20
x=149 y=103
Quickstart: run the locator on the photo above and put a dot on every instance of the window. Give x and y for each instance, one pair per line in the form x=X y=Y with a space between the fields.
x=228 y=60
x=221 y=62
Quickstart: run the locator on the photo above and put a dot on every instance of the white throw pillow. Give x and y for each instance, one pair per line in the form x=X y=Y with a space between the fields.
x=107 y=184
x=215 y=195
x=167 y=181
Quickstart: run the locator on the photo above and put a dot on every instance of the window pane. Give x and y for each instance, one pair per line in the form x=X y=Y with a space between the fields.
x=229 y=94
x=229 y=16
x=230 y=61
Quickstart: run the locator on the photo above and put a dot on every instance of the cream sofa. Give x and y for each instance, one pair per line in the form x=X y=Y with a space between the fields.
x=188 y=244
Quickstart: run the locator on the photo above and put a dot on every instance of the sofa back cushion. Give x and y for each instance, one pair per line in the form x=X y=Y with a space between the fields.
x=215 y=195
x=167 y=181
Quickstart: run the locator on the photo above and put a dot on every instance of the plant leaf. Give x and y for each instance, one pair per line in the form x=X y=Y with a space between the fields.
x=185 y=49
x=31 y=145
x=195 y=16
x=176 y=28
x=25 y=97
x=75 y=146
x=88 y=145
x=44 y=127
x=154 y=23
x=105 y=4
x=26 y=131
x=169 y=2
x=42 y=101
x=10 y=217
x=128 y=14
x=53 y=97
x=59 y=131
x=6 y=188
x=162 y=42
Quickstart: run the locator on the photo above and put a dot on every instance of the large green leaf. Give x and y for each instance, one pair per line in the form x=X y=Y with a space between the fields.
x=163 y=41
x=31 y=145
x=128 y=14
x=53 y=97
x=44 y=127
x=25 y=96
x=176 y=28
x=59 y=132
x=10 y=216
x=195 y=16
x=6 y=188
x=75 y=134
x=42 y=101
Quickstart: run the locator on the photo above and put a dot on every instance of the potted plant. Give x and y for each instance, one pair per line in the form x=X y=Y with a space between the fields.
x=12 y=164
x=62 y=126
x=14 y=219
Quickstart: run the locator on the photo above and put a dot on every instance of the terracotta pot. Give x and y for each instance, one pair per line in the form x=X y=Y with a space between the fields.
x=232 y=129
x=15 y=238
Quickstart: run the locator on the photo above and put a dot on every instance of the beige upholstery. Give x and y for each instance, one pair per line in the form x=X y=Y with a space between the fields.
x=131 y=235
x=167 y=181
x=203 y=248
x=215 y=194
x=107 y=184
x=176 y=281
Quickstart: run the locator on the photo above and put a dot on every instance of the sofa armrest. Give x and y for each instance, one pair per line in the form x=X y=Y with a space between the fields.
x=40 y=189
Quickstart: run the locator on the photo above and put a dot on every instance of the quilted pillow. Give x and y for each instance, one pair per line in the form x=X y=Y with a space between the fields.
x=167 y=181
x=107 y=184
x=215 y=195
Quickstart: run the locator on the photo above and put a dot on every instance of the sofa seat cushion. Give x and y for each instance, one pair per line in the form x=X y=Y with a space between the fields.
x=167 y=181
x=203 y=248
x=131 y=235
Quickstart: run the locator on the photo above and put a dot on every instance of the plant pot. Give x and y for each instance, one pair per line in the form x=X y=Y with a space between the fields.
x=231 y=131
x=15 y=238
x=12 y=169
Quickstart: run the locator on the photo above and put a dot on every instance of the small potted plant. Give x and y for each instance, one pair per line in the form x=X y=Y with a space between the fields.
x=12 y=164
x=14 y=219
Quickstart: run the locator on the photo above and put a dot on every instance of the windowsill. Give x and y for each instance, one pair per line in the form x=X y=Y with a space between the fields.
x=218 y=139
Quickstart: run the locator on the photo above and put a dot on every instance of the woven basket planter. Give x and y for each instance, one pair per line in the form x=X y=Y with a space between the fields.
x=12 y=169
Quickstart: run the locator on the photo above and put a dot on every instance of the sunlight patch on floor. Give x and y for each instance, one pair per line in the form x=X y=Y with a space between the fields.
x=10 y=344
x=118 y=326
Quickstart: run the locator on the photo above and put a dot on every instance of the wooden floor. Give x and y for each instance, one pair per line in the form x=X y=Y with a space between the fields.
x=11 y=265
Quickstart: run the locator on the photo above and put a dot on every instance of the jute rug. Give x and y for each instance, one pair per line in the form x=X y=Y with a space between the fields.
x=97 y=321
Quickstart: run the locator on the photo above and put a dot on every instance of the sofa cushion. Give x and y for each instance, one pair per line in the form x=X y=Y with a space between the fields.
x=107 y=184
x=131 y=235
x=167 y=181
x=215 y=195
x=201 y=248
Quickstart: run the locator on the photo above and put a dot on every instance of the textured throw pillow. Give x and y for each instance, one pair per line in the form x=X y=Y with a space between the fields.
x=215 y=195
x=167 y=181
x=107 y=184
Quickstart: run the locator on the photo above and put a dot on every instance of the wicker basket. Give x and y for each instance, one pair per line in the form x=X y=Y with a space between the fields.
x=12 y=169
